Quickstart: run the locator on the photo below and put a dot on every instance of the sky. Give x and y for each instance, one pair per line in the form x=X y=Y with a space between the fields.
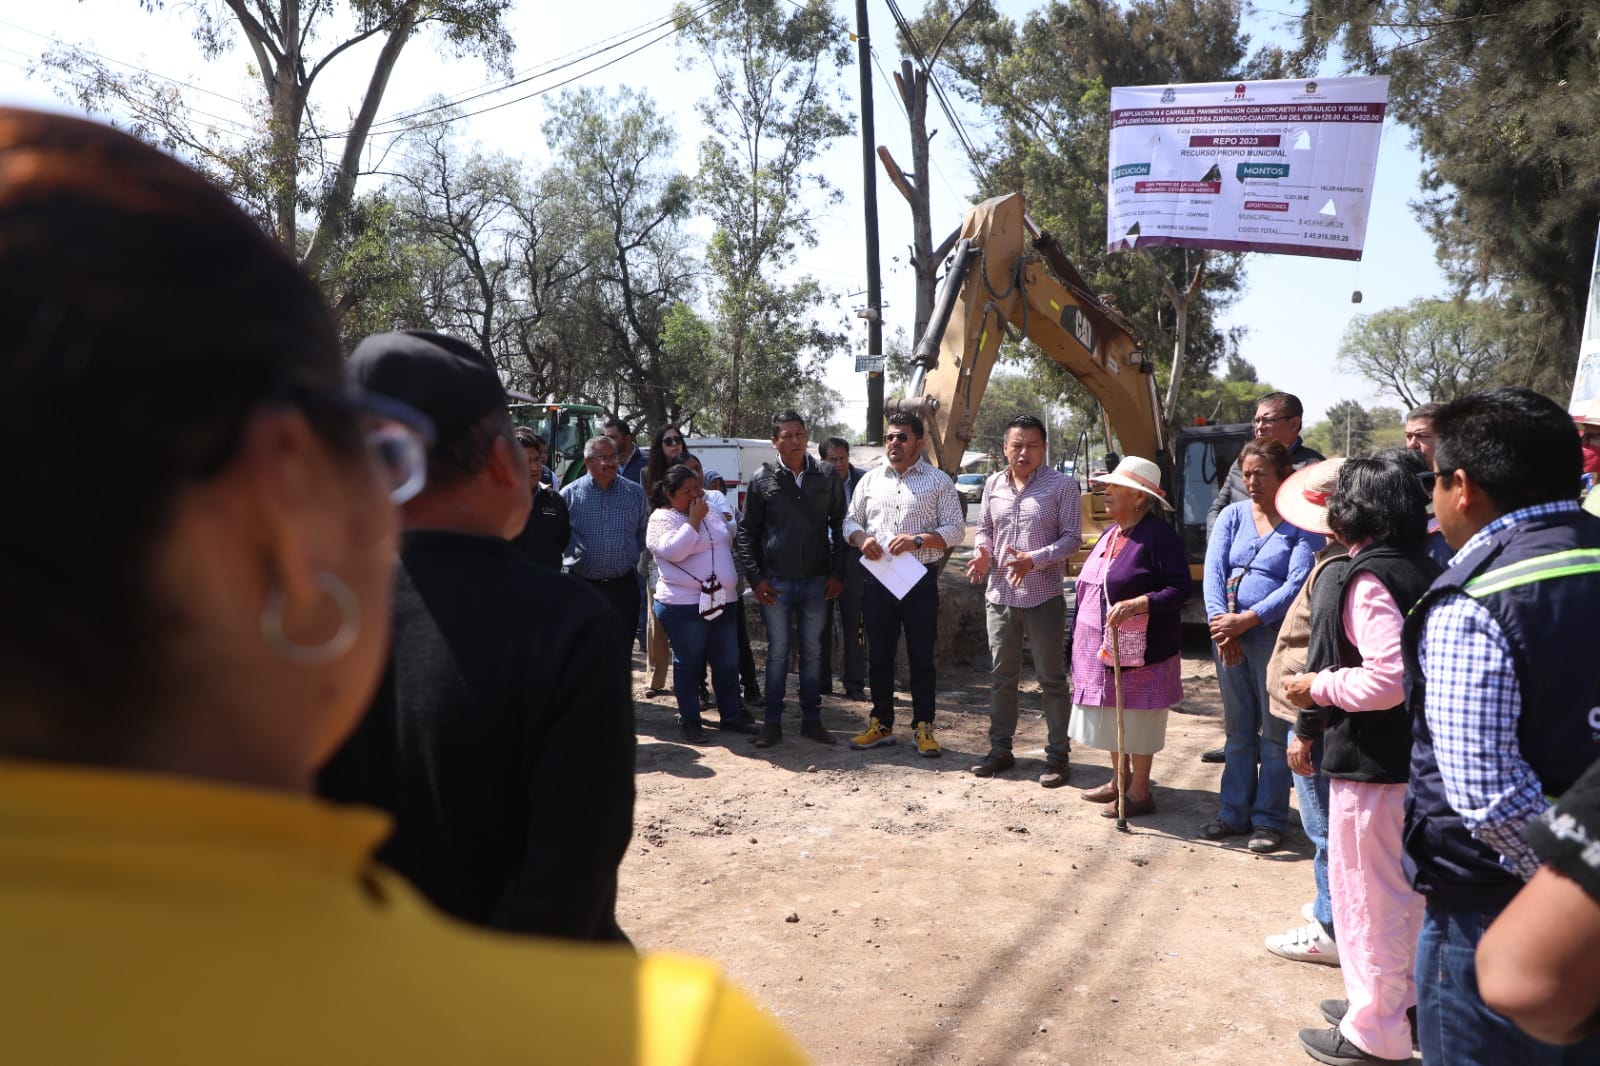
x=1294 y=309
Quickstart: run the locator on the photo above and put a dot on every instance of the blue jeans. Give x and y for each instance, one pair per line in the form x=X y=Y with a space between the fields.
x=1454 y=1025
x=800 y=607
x=1312 y=792
x=1253 y=797
x=886 y=617
x=695 y=642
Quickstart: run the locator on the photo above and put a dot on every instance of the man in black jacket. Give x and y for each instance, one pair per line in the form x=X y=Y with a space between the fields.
x=501 y=739
x=790 y=544
x=835 y=455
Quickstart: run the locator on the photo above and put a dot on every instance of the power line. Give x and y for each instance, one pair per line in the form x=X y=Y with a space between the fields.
x=556 y=66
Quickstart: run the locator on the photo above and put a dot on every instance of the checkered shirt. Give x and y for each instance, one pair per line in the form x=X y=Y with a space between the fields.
x=1043 y=518
x=922 y=500
x=1472 y=704
x=610 y=523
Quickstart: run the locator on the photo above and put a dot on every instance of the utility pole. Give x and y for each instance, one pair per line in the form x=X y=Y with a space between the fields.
x=874 y=310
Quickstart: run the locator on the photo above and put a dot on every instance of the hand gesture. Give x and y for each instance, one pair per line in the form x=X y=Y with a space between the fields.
x=978 y=568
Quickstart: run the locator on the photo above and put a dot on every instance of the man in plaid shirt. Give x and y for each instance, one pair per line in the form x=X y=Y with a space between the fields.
x=1030 y=523
x=1503 y=694
x=903 y=506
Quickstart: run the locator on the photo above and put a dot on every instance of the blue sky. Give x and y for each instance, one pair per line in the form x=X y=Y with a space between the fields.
x=1295 y=309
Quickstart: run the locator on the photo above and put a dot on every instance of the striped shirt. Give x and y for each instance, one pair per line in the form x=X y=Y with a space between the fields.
x=609 y=524
x=1044 y=518
x=922 y=500
x=1473 y=703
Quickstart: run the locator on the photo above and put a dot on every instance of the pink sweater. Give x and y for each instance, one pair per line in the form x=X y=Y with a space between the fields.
x=1372 y=622
x=685 y=556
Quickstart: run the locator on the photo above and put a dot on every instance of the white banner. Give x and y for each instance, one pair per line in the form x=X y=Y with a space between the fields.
x=1586 y=384
x=1253 y=166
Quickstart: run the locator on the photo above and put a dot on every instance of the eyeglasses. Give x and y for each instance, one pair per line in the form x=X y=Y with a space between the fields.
x=1430 y=477
x=1269 y=421
x=397 y=435
x=671 y=440
x=603 y=460
x=896 y=436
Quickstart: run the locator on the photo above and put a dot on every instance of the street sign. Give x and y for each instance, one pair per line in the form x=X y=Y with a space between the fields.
x=869 y=364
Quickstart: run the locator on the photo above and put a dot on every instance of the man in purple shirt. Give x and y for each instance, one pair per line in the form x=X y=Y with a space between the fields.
x=1029 y=524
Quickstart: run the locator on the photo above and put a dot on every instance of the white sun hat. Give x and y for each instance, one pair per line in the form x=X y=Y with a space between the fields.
x=1136 y=473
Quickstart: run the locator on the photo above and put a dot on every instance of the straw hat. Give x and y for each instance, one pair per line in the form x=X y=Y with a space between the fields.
x=1303 y=497
x=1136 y=473
x=1590 y=415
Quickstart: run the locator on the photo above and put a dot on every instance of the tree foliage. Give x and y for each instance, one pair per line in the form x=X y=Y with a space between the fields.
x=285 y=166
x=1503 y=98
x=1436 y=350
x=770 y=115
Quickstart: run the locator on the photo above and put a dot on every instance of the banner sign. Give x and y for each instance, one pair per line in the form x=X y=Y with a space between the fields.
x=1586 y=384
x=1251 y=166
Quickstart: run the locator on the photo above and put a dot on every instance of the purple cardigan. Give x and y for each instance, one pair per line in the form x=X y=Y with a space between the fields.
x=1153 y=564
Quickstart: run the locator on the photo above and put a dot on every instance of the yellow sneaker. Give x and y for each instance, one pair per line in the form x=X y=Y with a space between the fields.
x=927 y=747
x=876 y=736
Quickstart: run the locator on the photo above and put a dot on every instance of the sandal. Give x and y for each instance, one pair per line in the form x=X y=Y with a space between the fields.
x=1217 y=829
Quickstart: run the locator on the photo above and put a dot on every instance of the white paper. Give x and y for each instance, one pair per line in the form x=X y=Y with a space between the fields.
x=1259 y=166
x=897 y=573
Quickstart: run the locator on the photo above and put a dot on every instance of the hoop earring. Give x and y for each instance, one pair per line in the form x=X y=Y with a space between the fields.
x=313 y=654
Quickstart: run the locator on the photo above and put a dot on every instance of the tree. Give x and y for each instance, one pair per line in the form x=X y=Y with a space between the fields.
x=1503 y=98
x=770 y=115
x=1046 y=85
x=1432 y=349
x=613 y=176
x=280 y=167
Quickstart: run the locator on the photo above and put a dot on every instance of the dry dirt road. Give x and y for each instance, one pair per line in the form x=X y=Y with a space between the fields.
x=894 y=909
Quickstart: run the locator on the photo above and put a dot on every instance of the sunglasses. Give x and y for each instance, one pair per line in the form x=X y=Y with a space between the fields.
x=897 y=436
x=1431 y=477
x=671 y=440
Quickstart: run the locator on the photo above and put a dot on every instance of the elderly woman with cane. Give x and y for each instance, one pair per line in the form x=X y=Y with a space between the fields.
x=1129 y=595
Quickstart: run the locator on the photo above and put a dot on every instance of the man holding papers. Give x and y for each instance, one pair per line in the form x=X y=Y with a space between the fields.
x=901 y=511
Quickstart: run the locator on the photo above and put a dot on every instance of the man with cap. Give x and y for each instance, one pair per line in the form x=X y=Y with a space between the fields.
x=609 y=514
x=501 y=739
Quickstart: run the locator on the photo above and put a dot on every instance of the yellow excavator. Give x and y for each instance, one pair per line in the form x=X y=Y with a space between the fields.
x=1007 y=276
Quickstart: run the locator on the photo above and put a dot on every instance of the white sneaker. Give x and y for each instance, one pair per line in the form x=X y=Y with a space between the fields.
x=1309 y=911
x=1306 y=943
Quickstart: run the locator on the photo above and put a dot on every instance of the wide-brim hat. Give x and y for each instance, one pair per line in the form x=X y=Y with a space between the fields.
x=1303 y=497
x=1590 y=415
x=1136 y=473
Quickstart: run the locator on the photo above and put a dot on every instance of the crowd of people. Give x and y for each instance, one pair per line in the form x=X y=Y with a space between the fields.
x=321 y=713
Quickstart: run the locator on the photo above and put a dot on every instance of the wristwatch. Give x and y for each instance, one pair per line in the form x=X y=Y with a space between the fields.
x=917 y=540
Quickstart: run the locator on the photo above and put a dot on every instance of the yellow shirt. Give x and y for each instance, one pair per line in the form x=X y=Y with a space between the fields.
x=163 y=920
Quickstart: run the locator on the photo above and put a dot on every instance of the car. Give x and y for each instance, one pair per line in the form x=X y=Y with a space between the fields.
x=970 y=487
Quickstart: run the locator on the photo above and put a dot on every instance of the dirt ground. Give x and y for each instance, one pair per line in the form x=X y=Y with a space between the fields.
x=894 y=909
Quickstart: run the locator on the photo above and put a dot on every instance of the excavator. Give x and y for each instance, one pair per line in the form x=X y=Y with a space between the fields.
x=1007 y=277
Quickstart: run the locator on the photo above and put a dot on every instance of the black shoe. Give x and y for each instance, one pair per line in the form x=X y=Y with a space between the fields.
x=752 y=693
x=1214 y=755
x=1056 y=773
x=1334 y=1010
x=993 y=763
x=855 y=692
x=1264 y=840
x=1330 y=1046
x=692 y=732
x=769 y=735
x=813 y=730
x=705 y=697
x=744 y=723
x=826 y=688
x=1217 y=829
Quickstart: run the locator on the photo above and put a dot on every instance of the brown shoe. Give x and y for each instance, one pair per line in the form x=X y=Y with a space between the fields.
x=771 y=733
x=1106 y=793
x=1056 y=773
x=1135 y=807
x=815 y=731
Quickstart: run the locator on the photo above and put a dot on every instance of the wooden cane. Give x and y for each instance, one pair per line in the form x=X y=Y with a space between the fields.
x=1116 y=681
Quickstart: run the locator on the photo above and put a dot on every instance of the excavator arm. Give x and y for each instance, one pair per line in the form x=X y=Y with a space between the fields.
x=1006 y=276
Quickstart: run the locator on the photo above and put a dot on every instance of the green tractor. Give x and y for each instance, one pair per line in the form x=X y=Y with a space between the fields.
x=567 y=427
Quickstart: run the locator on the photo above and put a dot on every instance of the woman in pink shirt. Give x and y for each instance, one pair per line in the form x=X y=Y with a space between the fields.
x=1353 y=695
x=694 y=599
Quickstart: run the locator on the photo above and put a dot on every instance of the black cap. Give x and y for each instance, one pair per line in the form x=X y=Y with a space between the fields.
x=446 y=379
